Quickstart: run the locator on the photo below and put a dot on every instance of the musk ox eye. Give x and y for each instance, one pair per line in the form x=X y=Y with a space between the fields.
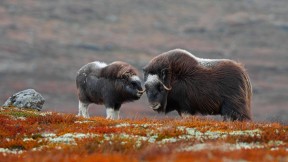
x=164 y=73
x=134 y=84
x=159 y=87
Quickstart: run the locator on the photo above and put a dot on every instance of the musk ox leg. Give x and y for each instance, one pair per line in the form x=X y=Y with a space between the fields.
x=83 y=109
x=112 y=113
x=230 y=112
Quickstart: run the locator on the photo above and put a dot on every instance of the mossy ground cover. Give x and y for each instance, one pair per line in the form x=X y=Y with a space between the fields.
x=49 y=136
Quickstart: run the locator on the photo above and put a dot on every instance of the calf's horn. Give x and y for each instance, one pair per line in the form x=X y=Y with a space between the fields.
x=141 y=91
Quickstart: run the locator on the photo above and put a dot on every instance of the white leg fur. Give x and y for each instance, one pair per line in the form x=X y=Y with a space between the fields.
x=83 y=109
x=112 y=114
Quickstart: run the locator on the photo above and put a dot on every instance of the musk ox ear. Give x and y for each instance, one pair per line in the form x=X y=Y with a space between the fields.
x=144 y=69
x=164 y=74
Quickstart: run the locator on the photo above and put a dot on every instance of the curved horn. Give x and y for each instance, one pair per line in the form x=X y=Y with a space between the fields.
x=141 y=91
x=168 y=89
x=165 y=87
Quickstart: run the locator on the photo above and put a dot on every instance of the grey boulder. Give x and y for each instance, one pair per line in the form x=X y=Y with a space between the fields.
x=28 y=98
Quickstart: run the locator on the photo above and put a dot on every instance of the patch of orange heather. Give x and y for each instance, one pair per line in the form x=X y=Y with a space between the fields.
x=12 y=128
x=58 y=156
x=204 y=125
x=20 y=143
x=52 y=118
x=249 y=155
x=33 y=136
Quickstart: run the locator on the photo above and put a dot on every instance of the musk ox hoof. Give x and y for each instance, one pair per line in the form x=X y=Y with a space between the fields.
x=28 y=98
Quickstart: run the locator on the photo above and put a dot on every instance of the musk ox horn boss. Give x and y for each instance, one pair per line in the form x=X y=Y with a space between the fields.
x=178 y=80
x=110 y=85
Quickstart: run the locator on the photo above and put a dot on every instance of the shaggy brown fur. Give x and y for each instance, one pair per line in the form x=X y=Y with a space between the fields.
x=118 y=69
x=205 y=86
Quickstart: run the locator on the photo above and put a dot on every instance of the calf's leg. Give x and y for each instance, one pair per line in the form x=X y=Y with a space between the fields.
x=112 y=113
x=83 y=109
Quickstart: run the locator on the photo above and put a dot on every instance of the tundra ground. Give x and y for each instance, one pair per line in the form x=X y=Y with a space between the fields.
x=49 y=136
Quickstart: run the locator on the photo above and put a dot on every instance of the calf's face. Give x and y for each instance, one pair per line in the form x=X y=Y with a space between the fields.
x=156 y=90
x=133 y=87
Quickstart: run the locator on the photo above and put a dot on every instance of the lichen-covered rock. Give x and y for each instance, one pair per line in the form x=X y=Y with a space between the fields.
x=28 y=98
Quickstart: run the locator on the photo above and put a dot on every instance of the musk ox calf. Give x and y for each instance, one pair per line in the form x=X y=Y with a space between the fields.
x=110 y=85
x=178 y=80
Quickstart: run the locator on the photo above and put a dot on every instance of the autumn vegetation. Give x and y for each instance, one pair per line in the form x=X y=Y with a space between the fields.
x=50 y=136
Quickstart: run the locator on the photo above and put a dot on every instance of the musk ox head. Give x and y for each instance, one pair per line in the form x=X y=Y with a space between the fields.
x=132 y=87
x=127 y=77
x=157 y=78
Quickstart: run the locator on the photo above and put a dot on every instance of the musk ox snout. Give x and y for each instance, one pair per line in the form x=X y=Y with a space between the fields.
x=140 y=92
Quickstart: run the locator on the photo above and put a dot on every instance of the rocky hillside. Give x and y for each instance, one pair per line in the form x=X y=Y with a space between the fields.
x=49 y=136
x=44 y=42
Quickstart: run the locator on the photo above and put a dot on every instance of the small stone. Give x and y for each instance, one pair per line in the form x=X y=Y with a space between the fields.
x=28 y=98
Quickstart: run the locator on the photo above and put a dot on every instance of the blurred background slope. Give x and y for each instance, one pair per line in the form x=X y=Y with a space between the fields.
x=44 y=42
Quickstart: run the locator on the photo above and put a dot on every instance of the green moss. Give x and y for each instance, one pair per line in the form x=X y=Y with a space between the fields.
x=19 y=113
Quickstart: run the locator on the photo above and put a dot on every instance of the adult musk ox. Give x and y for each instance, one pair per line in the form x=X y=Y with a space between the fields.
x=110 y=85
x=178 y=80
